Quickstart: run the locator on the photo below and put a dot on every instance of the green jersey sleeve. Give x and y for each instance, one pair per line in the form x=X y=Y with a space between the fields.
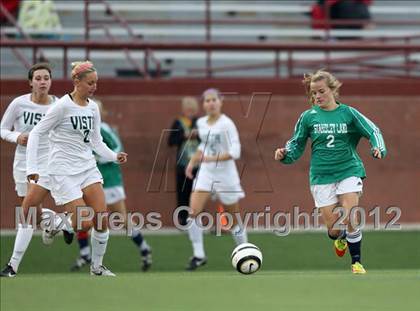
x=296 y=145
x=111 y=171
x=368 y=129
x=111 y=139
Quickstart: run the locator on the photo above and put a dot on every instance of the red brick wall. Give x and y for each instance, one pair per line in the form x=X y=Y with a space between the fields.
x=142 y=118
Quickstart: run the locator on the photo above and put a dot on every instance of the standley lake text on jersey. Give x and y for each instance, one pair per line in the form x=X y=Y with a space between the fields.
x=330 y=128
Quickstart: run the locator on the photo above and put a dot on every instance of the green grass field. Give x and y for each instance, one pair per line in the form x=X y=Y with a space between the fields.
x=300 y=272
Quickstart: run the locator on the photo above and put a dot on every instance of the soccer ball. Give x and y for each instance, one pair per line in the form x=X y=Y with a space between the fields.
x=246 y=258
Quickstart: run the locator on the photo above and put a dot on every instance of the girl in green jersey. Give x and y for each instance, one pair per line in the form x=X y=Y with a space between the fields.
x=336 y=170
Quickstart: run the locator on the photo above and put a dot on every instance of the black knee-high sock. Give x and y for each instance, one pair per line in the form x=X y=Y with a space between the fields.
x=137 y=238
x=354 y=240
x=83 y=240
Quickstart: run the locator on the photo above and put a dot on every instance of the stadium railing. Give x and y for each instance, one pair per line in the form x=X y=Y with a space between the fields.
x=408 y=67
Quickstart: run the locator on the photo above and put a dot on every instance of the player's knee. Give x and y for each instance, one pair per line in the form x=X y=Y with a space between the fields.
x=194 y=213
x=29 y=203
x=333 y=234
x=101 y=223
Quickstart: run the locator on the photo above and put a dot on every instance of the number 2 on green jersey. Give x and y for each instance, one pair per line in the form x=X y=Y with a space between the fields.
x=330 y=143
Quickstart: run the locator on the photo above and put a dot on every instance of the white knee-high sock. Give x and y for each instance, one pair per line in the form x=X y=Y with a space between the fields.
x=239 y=234
x=22 y=240
x=99 y=241
x=195 y=232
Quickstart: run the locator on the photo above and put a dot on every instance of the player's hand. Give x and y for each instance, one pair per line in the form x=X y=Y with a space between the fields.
x=23 y=139
x=377 y=153
x=189 y=171
x=122 y=157
x=33 y=178
x=279 y=154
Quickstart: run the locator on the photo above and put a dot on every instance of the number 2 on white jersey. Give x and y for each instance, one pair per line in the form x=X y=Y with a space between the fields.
x=330 y=143
x=86 y=136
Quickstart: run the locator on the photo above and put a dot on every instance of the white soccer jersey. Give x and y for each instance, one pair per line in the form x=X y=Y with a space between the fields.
x=217 y=139
x=74 y=134
x=20 y=117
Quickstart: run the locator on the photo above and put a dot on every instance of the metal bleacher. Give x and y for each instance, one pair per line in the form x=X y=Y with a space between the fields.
x=239 y=22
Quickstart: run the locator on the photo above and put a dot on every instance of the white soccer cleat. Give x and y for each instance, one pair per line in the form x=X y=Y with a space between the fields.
x=100 y=271
x=52 y=221
x=48 y=236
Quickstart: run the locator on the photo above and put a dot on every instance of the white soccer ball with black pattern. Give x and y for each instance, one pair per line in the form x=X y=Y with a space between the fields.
x=247 y=258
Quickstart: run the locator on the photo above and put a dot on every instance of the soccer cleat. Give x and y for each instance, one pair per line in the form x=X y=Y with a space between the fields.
x=146 y=259
x=68 y=236
x=100 y=271
x=80 y=263
x=196 y=262
x=357 y=268
x=48 y=236
x=8 y=272
x=340 y=247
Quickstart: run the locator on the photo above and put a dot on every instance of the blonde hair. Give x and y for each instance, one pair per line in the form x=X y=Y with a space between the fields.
x=189 y=102
x=330 y=80
x=81 y=68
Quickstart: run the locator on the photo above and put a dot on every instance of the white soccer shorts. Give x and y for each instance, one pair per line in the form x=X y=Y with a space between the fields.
x=114 y=194
x=67 y=188
x=227 y=194
x=21 y=182
x=325 y=195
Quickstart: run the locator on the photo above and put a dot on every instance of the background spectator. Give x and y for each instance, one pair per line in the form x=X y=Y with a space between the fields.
x=13 y=7
x=340 y=10
x=39 y=15
x=185 y=137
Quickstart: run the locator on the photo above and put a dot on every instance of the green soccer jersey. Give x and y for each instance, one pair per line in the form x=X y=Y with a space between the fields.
x=334 y=135
x=111 y=171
